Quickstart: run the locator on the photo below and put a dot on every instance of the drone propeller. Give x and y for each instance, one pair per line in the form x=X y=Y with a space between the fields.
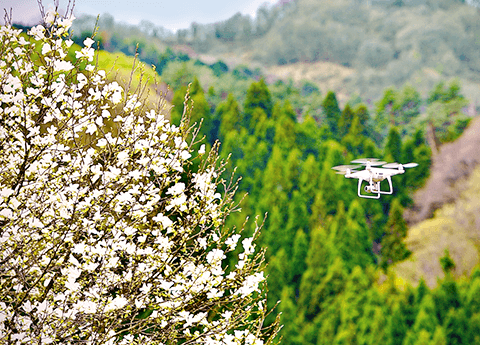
x=373 y=162
x=365 y=160
x=346 y=167
x=398 y=165
x=344 y=172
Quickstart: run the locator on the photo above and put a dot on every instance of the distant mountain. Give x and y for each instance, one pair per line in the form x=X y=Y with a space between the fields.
x=385 y=43
x=375 y=43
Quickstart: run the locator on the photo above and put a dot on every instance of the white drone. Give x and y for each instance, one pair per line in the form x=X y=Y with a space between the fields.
x=373 y=176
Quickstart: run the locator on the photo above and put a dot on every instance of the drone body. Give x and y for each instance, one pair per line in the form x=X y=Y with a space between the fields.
x=372 y=175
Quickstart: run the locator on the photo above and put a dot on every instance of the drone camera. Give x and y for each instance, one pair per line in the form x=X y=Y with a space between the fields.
x=370 y=189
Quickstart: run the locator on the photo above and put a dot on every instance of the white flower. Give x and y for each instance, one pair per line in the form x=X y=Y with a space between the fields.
x=165 y=221
x=185 y=155
x=67 y=23
x=50 y=16
x=91 y=128
x=124 y=198
x=248 y=246
x=176 y=189
x=117 y=303
x=215 y=293
x=59 y=65
x=251 y=284
x=46 y=48
x=99 y=121
x=215 y=255
x=123 y=157
x=5 y=192
x=88 y=42
x=37 y=32
x=202 y=150
x=227 y=314
x=231 y=242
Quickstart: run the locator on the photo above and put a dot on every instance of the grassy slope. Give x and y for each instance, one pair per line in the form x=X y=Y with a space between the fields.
x=120 y=68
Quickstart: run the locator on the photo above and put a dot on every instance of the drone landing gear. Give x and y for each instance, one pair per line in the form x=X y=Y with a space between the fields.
x=374 y=188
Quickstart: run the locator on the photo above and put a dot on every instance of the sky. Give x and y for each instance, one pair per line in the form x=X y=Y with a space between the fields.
x=171 y=14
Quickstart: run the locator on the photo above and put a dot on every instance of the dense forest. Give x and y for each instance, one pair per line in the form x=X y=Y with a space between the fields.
x=329 y=253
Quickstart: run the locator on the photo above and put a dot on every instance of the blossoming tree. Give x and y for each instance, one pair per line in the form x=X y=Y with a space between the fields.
x=108 y=234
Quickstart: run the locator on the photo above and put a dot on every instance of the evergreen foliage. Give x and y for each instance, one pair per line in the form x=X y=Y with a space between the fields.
x=393 y=248
x=325 y=246
x=332 y=113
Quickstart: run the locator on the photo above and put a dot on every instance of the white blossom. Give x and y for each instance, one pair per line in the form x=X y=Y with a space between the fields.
x=111 y=219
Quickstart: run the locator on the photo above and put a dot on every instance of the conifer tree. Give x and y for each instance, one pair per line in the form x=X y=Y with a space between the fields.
x=356 y=143
x=447 y=263
x=393 y=247
x=393 y=147
x=474 y=324
x=456 y=327
x=326 y=332
x=299 y=254
x=345 y=121
x=309 y=178
x=397 y=326
x=422 y=290
x=273 y=183
x=318 y=259
x=290 y=332
x=258 y=96
x=446 y=297
x=407 y=105
x=416 y=150
x=326 y=292
x=230 y=117
x=332 y=112
x=439 y=337
x=472 y=302
x=377 y=334
x=361 y=111
x=285 y=127
x=261 y=126
x=354 y=297
x=409 y=305
x=277 y=274
x=308 y=136
x=425 y=321
x=384 y=110
x=291 y=170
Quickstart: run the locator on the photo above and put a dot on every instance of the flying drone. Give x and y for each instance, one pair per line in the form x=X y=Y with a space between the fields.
x=373 y=175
